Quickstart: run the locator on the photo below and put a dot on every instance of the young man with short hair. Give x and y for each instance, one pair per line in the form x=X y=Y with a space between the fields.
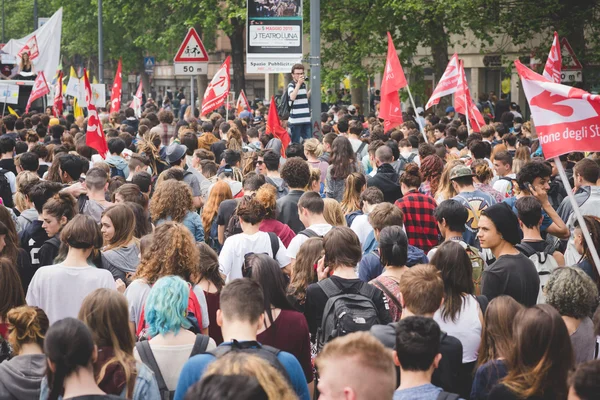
x=118 y=165
x=29 y=162
x=94 y=202
x=327 y=143
x=386 y=178
x=240 y=316
x=512 y=273
x=299 y=120
x=355 y=366
x=271 y=163
x=510 y=141
x=358 y=146
x=296 y=174
x=360 y=224
x=505 y=181
x=371 y=150
x=70 y=168
x=422 y=294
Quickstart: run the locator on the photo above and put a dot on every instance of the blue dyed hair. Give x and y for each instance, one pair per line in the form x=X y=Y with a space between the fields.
x=166 y=306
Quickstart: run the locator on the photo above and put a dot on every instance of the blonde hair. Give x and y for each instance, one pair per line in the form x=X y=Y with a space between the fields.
x=234 y=139
x=355 y=183
x=313 y=147
x=27 y=325
x=522 y=157
x=333 y=214
x=236 y=363
x=482 y=171
x=445 y=189
x=24 y=178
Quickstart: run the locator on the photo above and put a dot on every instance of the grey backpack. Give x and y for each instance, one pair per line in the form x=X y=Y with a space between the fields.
x=346 y=311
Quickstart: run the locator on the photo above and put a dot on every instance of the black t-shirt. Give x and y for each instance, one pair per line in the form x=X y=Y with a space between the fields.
x=226 y=210
x=512 y=275
x=95 y=397
x=316 y=300
x=218 y=148
x=32 y=240
x=501 y=392
x=9 y=164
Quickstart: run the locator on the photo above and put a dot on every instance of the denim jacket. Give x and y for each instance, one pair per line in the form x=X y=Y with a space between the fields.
x=193 y=222
x=145 y=387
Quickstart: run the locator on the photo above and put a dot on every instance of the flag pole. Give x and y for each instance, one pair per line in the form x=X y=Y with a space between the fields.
x=5 y=98
x=577 y=212
x=412 y=101
x=467 y=111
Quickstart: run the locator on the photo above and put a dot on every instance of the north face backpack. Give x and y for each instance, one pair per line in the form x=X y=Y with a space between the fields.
x=346 y=311
x=544 y=263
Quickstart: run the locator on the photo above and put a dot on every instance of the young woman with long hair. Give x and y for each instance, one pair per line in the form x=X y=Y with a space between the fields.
x=220 y=192
x=173 y=201
x=482 y=178
x=303 y=271
x=56 y=213
x=121 y=253
x=445 y=190
x=143 y=226
x=267 y=197
x=208 y=277
x=313 y=149
x=540 y=358
x=431 y=172
x=284 y=328
x=341 y=164
x=496 y=343
x=9 y=248
x=22 y=375
x=11 y=296
x=333 y=214
x=522 y=157
x=172 y=251
x=356 y=183
x=586 y=262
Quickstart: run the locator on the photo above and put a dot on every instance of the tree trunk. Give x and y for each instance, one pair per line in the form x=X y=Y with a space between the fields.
x=356 y=91
x=237 y=55
x=439 y=53
x=145 y=79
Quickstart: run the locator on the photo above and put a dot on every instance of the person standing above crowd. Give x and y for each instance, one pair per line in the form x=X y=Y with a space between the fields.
x=299 y=120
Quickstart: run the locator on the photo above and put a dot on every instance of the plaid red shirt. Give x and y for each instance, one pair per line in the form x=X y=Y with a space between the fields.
x=420 y=225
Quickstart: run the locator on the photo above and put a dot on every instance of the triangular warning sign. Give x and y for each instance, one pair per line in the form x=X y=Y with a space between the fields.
x=191 y=49
x=569 y=60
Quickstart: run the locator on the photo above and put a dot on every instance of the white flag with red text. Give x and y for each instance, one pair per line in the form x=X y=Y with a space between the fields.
x=566 y=119
x=553 y=65
x=218 y=89
x=447 y=84
x=40 y=88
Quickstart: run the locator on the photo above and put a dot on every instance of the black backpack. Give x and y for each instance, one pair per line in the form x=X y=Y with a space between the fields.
x=346 y=311
x=5 y=190
x=309 y=233
x=147 y=358
x=284 y=105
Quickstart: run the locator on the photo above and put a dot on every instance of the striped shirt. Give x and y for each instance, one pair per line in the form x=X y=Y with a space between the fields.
x=300 y=112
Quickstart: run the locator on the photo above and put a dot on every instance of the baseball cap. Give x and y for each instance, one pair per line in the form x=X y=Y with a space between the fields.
x=449 y=109
x=175 y=152
x=460 y=171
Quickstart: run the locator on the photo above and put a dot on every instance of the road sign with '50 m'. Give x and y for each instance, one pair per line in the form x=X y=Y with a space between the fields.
x=191 y=68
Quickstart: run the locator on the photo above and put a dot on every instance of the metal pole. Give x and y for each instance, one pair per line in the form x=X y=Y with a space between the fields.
x=3 y=21
x=412 y=101
x=35 y=14
x=100 y=45
x=192 y=94
x=315 y=66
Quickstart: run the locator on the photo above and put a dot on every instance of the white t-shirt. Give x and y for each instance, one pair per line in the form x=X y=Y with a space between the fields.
x=362 y=227
x=137 y=292
x=237 y=246
x=60 y=290
x=298 y=240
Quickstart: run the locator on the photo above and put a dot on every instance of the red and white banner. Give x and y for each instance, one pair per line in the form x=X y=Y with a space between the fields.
x=447 y=84
x=242 y=103
x=31 y=47
x=136 y=103
x=553 y=65
x=40 y=88
x=95 y=134
x=464 y=104
x=393 y=80
x=115 y=96
x=566 y=119
x=57 y=106
x=218 y=89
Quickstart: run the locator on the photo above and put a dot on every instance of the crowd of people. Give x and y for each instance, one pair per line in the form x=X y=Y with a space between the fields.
x=202 y=259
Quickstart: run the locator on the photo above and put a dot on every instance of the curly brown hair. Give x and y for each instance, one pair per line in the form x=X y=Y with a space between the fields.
x=171 y=199
x=173 y=251
x=267 y=196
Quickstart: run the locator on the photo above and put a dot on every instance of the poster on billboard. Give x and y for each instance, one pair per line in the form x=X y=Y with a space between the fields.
x=274 y=35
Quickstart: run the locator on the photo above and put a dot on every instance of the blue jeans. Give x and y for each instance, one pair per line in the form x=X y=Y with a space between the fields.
x=300 y=131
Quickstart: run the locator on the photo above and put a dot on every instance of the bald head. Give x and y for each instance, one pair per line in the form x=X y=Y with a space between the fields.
x=384 y=155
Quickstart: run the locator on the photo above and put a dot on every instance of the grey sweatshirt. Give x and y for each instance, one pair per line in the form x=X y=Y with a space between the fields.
x=121 y=261
x=21 y=377
x=26 y=218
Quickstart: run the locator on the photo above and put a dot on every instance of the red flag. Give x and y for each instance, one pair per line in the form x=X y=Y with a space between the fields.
x=40 y=88
x=566 y=119
x=115 y=97
x=94 y=136
x=464 y=104
x=136 y=103
x=447 y=84
x=242 y=103
x=218 y=89
x=393 y=80
x=274 y=127
x=57 y=106
x=554 y=62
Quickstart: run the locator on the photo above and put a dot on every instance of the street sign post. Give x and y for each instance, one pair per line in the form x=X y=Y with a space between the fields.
x=149 y=63
x=191 y=58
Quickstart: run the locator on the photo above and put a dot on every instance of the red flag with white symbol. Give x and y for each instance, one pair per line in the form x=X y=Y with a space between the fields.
x=40 y=88
x=115 y=97
x=94 y=136
x=447 y=84
x=274 y=127
x=218 y=89
x=566 y=119
x=242 y=103
x=393 y=80
x=464 y=104
x=57 y=106
x=554 y=62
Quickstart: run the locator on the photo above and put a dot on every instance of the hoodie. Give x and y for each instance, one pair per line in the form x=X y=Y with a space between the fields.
x=21 y=377
x=121 y=261
x=26 y=218
x=119 y=163
x=386 y=179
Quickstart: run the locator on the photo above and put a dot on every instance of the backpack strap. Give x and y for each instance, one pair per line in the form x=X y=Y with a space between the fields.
x=147 y=358
x=200 y=344
x=388 y=294
x=526 y=248
x=309 y=233
x=360 y=148
x=329 y=287
x=447 y=396
x=81 y=201
x=274 y=243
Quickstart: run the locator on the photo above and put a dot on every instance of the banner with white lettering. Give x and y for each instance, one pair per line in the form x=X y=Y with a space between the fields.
x=273 y=36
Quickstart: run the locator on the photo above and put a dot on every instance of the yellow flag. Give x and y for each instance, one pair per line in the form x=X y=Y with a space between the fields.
x=72 y=73
x=13 y=112
x=77 y=111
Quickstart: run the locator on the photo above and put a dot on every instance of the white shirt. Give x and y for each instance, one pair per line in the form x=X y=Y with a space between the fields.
x=237 y=246
x=361 y=227
x=60 y=290
x=298 y=240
